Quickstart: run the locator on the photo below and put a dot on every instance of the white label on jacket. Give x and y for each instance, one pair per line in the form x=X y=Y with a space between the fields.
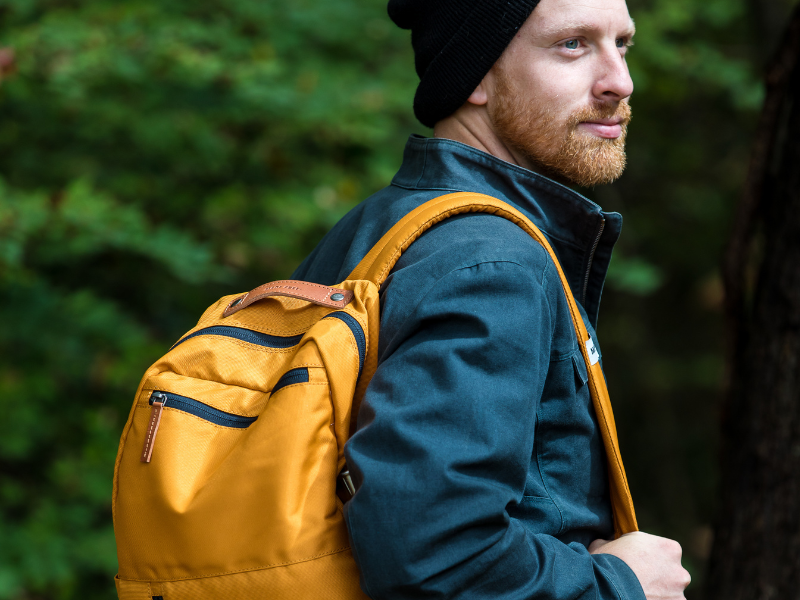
x=594 y=355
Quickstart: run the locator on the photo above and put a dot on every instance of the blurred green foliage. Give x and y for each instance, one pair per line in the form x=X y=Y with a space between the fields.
x=155 y=156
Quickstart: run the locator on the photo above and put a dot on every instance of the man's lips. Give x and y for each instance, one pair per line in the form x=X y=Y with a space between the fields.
x=604 y=128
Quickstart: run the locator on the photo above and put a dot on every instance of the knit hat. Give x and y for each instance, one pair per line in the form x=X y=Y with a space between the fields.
x=455 y=44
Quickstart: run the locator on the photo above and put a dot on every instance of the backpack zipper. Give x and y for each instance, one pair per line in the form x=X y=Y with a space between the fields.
x=299 y=375
x=199 y=409
x=358 y=334
x=275 y=341
x=159 y=400
x=246 y=335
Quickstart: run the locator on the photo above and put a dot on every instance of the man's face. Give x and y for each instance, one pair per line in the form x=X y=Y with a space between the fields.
x=559 y=93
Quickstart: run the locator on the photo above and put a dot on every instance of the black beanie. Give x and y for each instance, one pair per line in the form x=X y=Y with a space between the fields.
x=455 y=44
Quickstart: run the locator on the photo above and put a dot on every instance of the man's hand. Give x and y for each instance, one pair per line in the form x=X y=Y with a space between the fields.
x=656 y=561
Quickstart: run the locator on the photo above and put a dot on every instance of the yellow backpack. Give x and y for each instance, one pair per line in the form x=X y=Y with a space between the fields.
x=226 y=477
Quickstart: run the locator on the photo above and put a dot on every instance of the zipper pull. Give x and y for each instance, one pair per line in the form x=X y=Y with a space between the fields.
x=158 y=401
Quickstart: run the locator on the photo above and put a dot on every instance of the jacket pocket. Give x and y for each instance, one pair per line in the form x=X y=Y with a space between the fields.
x=569 y=447
x=581 y=372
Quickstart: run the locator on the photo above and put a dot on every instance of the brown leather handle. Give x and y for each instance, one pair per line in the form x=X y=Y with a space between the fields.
x=302 y=290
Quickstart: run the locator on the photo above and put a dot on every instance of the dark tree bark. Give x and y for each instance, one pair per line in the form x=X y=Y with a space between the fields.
x=756 y=553
x=767 y=20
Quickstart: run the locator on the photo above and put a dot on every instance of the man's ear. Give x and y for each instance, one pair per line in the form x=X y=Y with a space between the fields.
x=480 y=96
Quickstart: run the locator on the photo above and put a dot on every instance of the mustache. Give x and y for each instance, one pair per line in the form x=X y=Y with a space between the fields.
x=621 y=112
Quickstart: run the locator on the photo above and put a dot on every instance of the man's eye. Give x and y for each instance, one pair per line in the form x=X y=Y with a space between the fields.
x=621 y=43
x=572 y=45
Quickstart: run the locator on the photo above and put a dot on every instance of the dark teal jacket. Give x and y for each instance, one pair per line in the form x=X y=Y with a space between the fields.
x=478 y=461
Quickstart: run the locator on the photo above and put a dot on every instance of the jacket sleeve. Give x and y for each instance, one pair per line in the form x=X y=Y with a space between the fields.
x=446 y=435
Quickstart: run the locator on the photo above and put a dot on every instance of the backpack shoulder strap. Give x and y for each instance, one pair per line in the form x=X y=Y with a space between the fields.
x=378 y=263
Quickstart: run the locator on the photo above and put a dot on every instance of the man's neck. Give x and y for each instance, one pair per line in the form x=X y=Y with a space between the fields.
x=471 y=125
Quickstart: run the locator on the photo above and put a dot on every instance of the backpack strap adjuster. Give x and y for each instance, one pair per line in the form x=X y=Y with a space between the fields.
x=345 y=488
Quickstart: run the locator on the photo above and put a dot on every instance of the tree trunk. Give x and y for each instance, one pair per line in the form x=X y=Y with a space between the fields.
x=756 y=553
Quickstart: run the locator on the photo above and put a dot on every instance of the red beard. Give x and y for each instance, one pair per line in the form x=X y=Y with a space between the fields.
x=557 y=147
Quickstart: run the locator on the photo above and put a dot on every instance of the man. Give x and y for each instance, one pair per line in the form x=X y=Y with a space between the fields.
x=479 y=466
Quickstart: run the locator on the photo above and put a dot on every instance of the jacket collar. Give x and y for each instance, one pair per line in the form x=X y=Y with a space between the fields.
x=581 y=233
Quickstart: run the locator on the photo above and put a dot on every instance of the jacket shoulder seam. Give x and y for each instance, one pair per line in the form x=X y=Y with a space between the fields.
x=464 y=267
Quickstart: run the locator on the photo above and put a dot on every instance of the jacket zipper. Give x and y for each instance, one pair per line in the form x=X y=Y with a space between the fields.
x=591 y=258
x=160 y=400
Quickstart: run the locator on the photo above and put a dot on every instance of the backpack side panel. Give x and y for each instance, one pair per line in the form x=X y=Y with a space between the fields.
x=240 y=489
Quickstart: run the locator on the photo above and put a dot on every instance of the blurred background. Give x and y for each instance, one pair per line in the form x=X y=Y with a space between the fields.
x=157 y=155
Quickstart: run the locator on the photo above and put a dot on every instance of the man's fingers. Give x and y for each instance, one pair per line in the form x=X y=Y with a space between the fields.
x=655 y=561
x=596 y=545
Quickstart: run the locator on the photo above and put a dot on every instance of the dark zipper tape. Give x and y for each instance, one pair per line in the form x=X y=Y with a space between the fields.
x=591 y=259
x=204 y=411
x=246 y=335
x=358 y=334
x=299 y=375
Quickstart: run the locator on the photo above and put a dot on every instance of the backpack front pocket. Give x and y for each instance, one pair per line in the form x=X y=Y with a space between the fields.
x=227 y=492
x=160 y=400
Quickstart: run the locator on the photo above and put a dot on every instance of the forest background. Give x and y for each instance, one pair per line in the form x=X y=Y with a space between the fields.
x=156 y=156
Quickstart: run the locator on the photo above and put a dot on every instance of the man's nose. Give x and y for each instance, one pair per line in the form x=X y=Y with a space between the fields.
x=613 y=81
